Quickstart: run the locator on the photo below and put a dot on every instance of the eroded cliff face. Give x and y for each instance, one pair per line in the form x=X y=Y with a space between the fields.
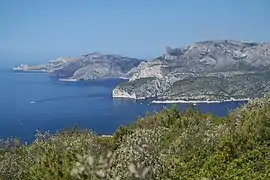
x=120 y=93
x=148 y=69
x=204 y=70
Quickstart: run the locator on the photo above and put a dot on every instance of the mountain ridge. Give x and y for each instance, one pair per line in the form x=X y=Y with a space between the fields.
x=248 y=62
x=89 y=66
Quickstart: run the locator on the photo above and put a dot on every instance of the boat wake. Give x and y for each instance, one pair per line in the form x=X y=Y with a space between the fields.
x=68 y=98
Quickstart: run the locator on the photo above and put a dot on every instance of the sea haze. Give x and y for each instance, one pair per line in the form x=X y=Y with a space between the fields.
x=31 y=101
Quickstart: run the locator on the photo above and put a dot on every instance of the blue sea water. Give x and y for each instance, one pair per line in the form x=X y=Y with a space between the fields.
x=59 y=105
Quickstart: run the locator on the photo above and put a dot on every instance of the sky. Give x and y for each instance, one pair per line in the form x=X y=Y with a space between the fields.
x=37 y=31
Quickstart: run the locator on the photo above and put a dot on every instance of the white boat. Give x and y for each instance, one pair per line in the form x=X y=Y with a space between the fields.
x=32 y=102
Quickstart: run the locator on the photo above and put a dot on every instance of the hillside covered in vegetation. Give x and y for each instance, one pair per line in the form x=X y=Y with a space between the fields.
x=165 y=145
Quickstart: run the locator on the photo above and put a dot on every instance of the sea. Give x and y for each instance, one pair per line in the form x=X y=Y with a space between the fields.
x=35 y=101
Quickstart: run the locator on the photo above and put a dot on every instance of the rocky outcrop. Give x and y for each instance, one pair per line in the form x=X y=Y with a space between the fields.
x=123 y=94
x=97 y=65
x=205 y=70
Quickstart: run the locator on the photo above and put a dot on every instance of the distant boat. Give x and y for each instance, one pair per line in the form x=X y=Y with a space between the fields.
x=32 y=102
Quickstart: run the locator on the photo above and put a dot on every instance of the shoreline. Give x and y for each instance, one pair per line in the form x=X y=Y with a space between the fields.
x=197 y=102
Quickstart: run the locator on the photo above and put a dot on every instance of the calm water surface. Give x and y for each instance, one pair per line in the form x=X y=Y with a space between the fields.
x=61 y=105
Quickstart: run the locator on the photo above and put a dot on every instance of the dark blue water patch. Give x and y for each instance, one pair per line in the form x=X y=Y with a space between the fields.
x=56 y=105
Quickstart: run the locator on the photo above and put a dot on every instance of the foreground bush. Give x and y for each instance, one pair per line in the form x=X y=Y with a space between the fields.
x=165 y=145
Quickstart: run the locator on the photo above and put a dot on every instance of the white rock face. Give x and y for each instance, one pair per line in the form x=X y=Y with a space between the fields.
x=149 y=69
x=119 y=93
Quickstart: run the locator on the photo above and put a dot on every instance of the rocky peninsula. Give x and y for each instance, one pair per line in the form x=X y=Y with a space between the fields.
x=87 y=67
x=203 y=71
x=48 y=67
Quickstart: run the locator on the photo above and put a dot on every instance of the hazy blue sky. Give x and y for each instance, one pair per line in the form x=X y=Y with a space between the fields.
x=39 y=30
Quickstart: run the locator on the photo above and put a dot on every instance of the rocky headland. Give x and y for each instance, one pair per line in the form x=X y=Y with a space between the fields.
x=203 y=71
x=48 y=67
x=98 y=66
x=87 y=67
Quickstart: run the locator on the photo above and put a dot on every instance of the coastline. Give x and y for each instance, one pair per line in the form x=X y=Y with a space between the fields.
x=118 y=94
x=197 y=102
